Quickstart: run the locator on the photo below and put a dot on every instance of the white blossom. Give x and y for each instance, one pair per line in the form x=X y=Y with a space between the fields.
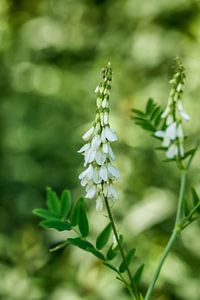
x=100 y=173
x=174 y=114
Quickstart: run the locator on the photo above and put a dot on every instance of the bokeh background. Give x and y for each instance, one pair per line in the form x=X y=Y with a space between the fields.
x=51 y=54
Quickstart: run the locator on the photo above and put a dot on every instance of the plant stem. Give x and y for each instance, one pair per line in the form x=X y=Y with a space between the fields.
x=173 y=237
x=132 y=288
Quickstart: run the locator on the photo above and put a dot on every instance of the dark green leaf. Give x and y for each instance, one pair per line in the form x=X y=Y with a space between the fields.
x=87 y=246
x=150 y=105
x=138 y=112
x=103 y=237
x=52 y=201
x=138 y=275
x=59 y=246
x=65 y=203
x=195 y=198
x=56 y=224
x=112 y=252
x=128 y=258
x=75 y=213
x=45 y=213
x=186 y=208
x=83 y=220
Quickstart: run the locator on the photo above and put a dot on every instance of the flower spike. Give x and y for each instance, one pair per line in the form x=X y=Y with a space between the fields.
x=173 y=136
x=100 y=173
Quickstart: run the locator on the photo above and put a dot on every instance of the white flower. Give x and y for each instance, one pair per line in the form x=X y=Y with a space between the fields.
x=110 y=134
x=88 y=134
x=185 y=116
x=172 y=151
x=103 y=173
x=171 y=131
x=96 y=142
x=99 y=203
x=160 y=133
x=100 y=173
x=84 y=148
x=91 y=192
x=100 y=157
x=113 y=171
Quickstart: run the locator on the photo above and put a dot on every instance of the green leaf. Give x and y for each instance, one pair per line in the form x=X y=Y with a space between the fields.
x=112 y=252
x=45 y=213
x=195 y=198
x=59 y=246
x=128 y=258
x=186 y=208
x=52 y=201
x=74 y=218
x=83 y=220
x=87 y=246
x=103 y=237
x=65 y=203
x=56 y=224
x=138 y=275
x=150 y=105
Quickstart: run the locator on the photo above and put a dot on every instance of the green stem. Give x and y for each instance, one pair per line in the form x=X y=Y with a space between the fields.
x=173 y=237
x=132 y=288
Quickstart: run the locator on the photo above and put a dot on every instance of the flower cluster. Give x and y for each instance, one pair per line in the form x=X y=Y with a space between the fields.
x=173 y=136
x=100 y=173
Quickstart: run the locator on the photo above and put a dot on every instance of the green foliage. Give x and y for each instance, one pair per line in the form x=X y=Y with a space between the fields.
x=129 y=257
x=138 y=275
x=65 y=203
x=53 y=203
x=150 y=119
x=83 y=220
x=56 y=224
x=103 y=237
x=112 y=252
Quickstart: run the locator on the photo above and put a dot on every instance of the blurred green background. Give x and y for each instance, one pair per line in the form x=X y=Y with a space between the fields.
x=51 y=54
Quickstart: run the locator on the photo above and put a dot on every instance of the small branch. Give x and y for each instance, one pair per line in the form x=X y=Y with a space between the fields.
x=173 y=237
x=133 y=290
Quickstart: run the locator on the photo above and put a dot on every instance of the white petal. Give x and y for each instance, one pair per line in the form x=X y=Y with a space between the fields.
x=110 y=134
x=97 y=89
x=169 y=120
x=105 y=148
x=100 y=157
x=92 y=155
x=181 y=149
x=106 y=118
x=99 y=203
x=165 y=113
x=102 y=118
x=113 y=171
x=84 y=181
x=179 y=87
x=171 y=131
x=99 y=101
x=88 y=173
x=160 y=133
x=111 y=154
x=166 y=141
x=91 y=192
x=103 y=173
x=88 y=134
x=172 y=151
x=96 y=177
x=96 y=142
x=103 y=137
x=180 y=133
x=104 y=103
x=179 y=105
x=185 y=116
x=84 y=148
x=112 y=193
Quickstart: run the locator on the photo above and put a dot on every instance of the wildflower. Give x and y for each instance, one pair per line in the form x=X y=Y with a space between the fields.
x=174 y=115
x=100 y=173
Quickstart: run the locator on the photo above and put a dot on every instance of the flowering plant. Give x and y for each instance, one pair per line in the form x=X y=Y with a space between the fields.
x=99 y=177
